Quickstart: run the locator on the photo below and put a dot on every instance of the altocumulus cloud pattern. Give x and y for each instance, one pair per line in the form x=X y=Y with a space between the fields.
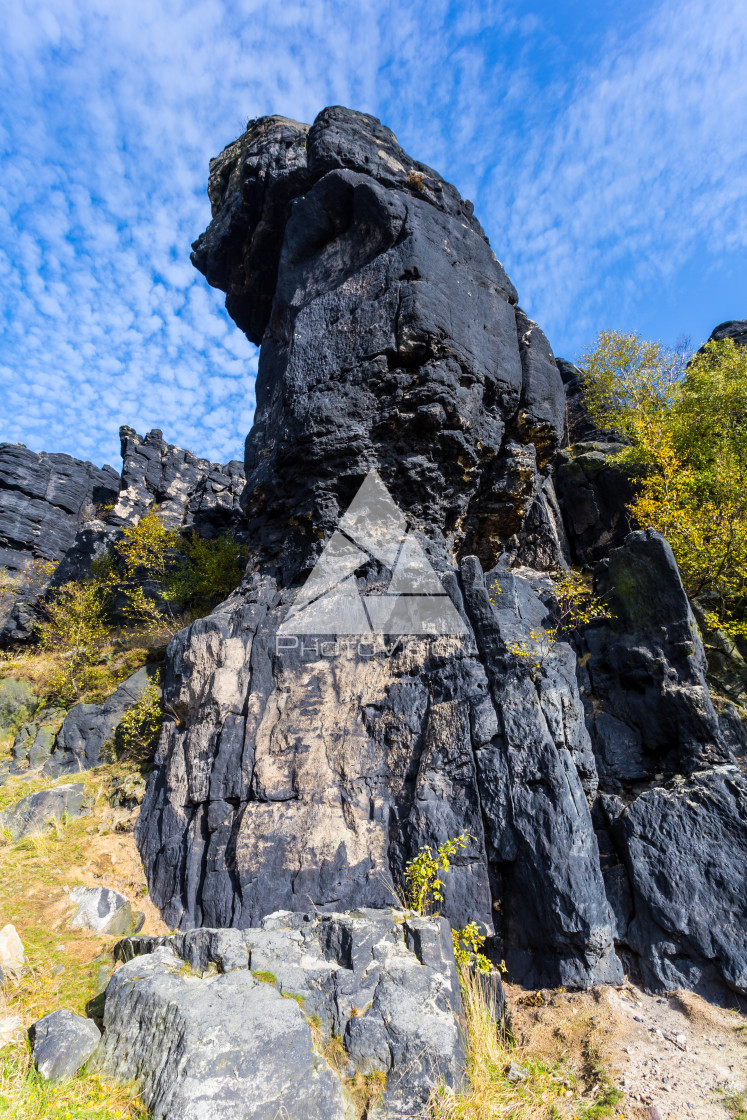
x=604 y=147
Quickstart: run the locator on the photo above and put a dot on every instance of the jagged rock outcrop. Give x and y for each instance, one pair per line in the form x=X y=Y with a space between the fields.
x=190 y=494
x=57 y=514
x=43 y=501
x=200 y=1019
x=391 y=341
x=408 y=416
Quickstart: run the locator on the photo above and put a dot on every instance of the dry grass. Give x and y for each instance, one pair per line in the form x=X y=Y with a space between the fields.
x=35 y=875
x=553 y=1089
x=124 y=652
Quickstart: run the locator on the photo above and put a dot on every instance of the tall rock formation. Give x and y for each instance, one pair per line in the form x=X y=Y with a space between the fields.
x=408 y=415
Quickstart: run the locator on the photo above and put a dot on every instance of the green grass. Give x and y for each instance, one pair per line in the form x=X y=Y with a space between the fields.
x=265 y=977
x=24 y=1095
x=736 y=1105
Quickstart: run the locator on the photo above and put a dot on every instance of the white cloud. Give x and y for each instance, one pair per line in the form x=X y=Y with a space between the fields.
x=596 y=175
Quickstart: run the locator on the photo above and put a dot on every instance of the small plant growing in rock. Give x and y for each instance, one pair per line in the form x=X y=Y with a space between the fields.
x=575 y=606
x=422 y=884
x=423 y=890
x=468 y=944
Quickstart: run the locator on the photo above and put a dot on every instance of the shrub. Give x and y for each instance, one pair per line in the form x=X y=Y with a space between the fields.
x=136 y=737
x=208 y=571
x=74 y=627
x=161 y=574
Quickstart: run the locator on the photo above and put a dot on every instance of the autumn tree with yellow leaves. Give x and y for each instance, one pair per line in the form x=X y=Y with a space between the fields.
x=685 y=423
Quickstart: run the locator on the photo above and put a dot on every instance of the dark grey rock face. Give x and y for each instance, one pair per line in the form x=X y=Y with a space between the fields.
x=390 y=340
x=648 y=667
x=672 y=817
x=87 y=727
x=215 y=1040
x=43 y=501
x=62 y=1043
x=594 y=495
x=684 y=846
x=296 y=775
x=535 y=773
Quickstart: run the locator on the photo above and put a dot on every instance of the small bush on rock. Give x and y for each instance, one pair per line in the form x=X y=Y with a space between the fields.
x=74 y=626
x=422 y=884
x=137 y=734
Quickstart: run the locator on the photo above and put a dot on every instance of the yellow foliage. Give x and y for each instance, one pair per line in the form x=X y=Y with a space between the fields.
x=687 y=428
x=423 y=886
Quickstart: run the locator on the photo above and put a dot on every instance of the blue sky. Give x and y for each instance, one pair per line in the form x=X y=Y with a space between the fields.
x=604 y=145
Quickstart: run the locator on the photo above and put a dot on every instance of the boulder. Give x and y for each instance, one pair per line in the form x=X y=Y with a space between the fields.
x=34 y=812
x=87 y=727
x=17 y=704
x=33 y=744
x=245 y=1016
x=12 y=954
x=62 y=1044
x=103 y=910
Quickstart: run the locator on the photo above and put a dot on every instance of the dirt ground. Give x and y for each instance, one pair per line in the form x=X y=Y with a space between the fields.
x=673 y=1056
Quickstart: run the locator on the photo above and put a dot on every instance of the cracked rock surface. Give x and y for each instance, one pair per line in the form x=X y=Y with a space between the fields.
x=228 y=1023
x=297 y=776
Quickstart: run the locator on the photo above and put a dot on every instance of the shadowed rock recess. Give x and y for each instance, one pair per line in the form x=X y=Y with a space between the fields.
x=606 y=812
